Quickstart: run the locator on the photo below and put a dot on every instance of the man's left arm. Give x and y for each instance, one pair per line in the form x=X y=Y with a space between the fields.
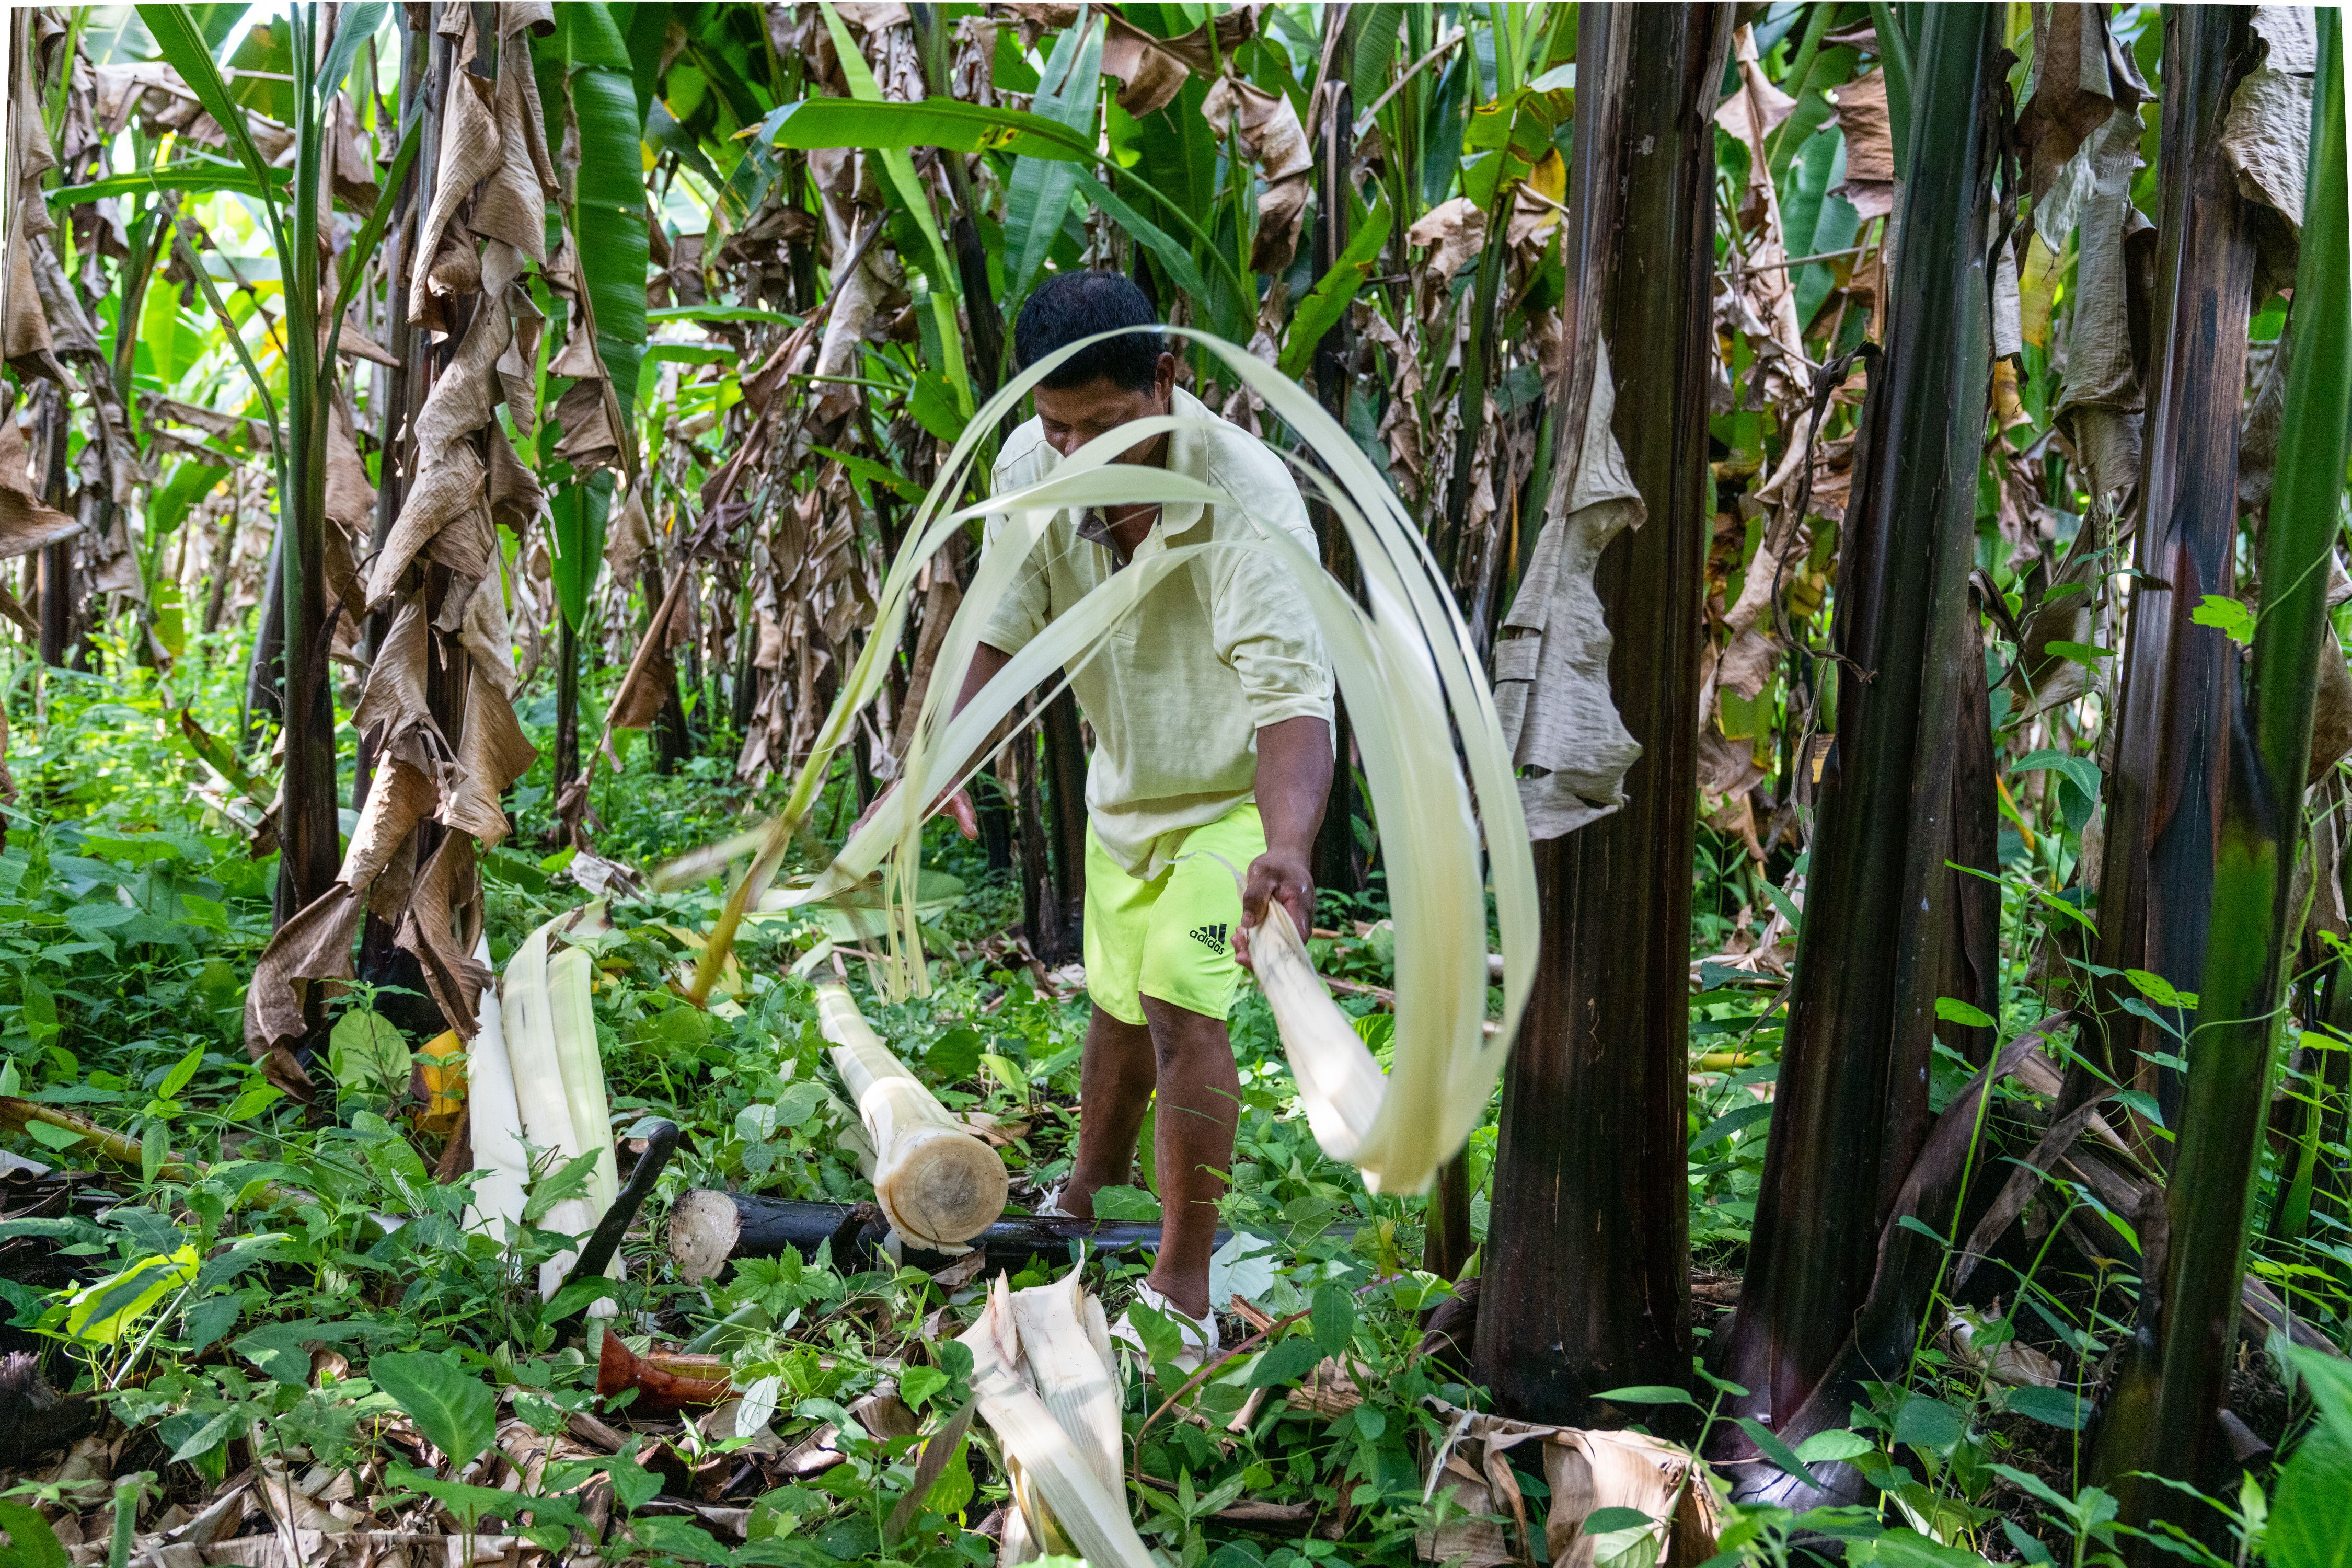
x=1294 y=781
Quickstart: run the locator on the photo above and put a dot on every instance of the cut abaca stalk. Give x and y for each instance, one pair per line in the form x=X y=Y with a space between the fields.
x=1409 y=671
x=935 y=1182
x=1061 y=1445
x=501 y=1171
x=547 y=1060
x=584 y=1068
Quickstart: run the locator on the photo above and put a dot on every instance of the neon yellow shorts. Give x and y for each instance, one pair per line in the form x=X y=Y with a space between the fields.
x=1171 y=937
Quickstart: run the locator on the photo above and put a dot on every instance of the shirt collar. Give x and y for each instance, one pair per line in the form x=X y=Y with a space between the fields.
x=1188 y=454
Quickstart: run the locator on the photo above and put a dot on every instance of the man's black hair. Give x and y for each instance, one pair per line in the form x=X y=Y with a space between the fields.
x=1069 y=306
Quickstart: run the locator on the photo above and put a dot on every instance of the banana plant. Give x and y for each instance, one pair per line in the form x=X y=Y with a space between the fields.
x=321 y=52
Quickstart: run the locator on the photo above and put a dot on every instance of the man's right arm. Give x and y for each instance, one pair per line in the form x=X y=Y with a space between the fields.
x=986 y=662
x=958 y=805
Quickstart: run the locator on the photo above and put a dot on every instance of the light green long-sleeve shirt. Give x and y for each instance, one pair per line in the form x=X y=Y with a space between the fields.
x=1213 y=655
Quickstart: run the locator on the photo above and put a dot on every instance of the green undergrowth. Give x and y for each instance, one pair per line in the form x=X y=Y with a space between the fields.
x=221 y=1327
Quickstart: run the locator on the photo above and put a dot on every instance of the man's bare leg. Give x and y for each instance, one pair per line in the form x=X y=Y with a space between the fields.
x=1199 y=1107
x=1189 y=1057
x=1115 y=1082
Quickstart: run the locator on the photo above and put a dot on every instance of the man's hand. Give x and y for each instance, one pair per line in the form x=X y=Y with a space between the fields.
x=986 y=662
x=957 y=808
x=1294 y=778
x=1277 y=874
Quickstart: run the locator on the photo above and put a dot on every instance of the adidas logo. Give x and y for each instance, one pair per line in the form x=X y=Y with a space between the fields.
x=1211 y=937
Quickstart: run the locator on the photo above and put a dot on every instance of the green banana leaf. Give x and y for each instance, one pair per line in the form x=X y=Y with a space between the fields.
x=576 y=513
x=1038 y=196
x=608 y=215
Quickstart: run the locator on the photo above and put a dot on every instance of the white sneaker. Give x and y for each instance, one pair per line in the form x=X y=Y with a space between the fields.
x=1199 y=1335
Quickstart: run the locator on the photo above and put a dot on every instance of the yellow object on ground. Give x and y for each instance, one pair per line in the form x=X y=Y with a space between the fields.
x=1170 y=937
x=442 y=1060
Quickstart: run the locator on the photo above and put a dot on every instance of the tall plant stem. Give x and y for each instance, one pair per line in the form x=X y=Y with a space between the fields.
x=310 y=848
x=2172 y=756
x=1847 y=1119
x=1336 y=866
x=2176 y=1370
x=1587 y=1266
x=57 y=571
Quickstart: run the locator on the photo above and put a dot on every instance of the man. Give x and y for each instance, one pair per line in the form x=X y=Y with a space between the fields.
x=1212 y=714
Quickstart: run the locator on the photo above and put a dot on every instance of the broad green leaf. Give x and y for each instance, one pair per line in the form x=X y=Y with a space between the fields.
x=1332 y=1318
x=52 y=1137
x=943 y=122
x=917 y=1384
x=1769 y=1443
x=1286 y=1362
x=576 y=516
x=354 y=24
x=1038 y=195
x=1729 y=1122
x=40 y=1006
x=609 y=219
x=367 y=1055
x=101 y=1313
x=2159 y=990
x=182 y=43
x=1830 y=1447
x=2227 y=616
x=915 y=198
x=1925 y=1422
x=1376 y=49
x=191 y=178
x=1645 y=1393
x=31 y=1542
x=2061 y=1408
x=1328 y=303
x=458 y=1412
x=1952 y=1010
x=1124 y=1202
x=2307 y=1511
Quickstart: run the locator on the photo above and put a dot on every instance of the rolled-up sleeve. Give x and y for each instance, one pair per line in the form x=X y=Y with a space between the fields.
x=1266 y=631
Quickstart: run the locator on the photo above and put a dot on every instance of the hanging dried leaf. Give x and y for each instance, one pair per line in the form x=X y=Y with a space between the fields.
x=1272 y=138
x=1552 y=666
x=1456 y=231
x=1761 y=287
x=1869 y=172
x=1153 y=73
x=26 y=523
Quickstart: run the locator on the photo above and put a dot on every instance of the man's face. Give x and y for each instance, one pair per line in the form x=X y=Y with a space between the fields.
x=1075 y=415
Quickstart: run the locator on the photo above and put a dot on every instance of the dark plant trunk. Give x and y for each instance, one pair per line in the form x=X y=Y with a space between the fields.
x=1066 y=805
x=1586 y=1264
x=672 y=743
x=1972 y=942
x=2172 y=757
x=2174 y=1376
x=995 y=819
x=1040 y=910
x=224 y=557
x=265 y=675
x=423 y=68
x=310 y=844
x=1338 y=865
x=57 y=572
x=567 y=705
x=1851 y=1106
x=1446 y=1242
x=1456 y=549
